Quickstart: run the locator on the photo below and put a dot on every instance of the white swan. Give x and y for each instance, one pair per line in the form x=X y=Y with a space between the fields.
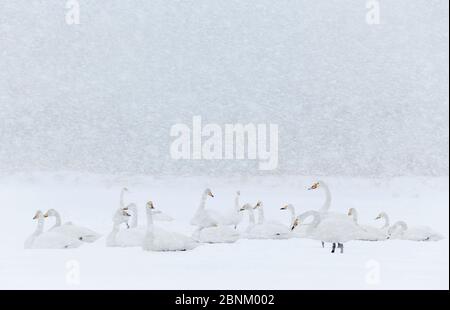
x=332 y=229
x=262 y=230
x=299 y=231
x=131 y=237
x=368 y=233
x=400 y=230
x=387 y=223
x=78 y=232
x=162 y=240
x=49 y=240
x=324 y=210
x=234 y=218
x=206 y=218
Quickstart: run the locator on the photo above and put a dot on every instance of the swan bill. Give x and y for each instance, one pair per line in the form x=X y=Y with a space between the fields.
x=316 y=185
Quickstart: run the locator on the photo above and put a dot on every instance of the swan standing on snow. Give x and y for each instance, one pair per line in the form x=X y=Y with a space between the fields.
x=78 y=232
x=263 y=230
x=400 y=230
x=162 y=240
x=206 y=218
x=234 y=218
x=368 y=233
x=49 y=240
x=324 y=210
x=332 y=229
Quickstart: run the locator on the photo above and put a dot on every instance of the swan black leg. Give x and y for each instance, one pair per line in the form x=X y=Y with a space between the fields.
x=333 y=249
x=323 y=244
x=341 y=246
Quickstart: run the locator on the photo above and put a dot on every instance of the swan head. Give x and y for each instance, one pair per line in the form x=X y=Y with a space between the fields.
x=38 y=215
x=247 y=206
x=238 y=193
x=315 y=186
x=259 y=204
x=382 y=215
x=295 y=224
x=288 y=206
x=51 y=212
x=209 y=193
x=351 y=211
x=150 y=205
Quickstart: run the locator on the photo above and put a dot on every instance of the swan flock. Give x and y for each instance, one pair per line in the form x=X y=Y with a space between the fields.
x=240 y=221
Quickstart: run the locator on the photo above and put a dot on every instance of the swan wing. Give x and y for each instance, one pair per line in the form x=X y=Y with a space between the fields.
x=78 y=232
x=218 y=234
x=53 y=240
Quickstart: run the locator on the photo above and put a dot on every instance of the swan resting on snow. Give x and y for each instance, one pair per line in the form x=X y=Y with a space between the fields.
x=332 y=229
x=125 y=237
x=206 y=218
x=162 y=240
x=367 y=233
x=263 y=230
x=212 y=227
x=50 y=239
x=78 y=232
x=401 y=230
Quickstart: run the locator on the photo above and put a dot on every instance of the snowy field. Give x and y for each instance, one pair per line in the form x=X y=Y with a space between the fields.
x=248 y=264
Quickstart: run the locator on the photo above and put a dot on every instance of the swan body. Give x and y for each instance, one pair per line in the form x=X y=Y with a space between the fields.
x=162 y=240
x=206 y=218
x=234 y=218
x=367 y=233
x=69 y=229
x=50 y=239
x=332 y=229
x=218 y=234
x=400 y=230
x=262 y=229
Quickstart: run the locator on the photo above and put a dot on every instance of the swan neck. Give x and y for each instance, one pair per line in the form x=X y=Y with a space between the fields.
x=203 y=202
x=251 y=216
x=355 y=216
x=40 y=226
x=149 y=220
x=134 y=219
x=327 y=204
x=292 y=212
x=314 y=214
x=58 y=219
x=261 y=215
x=122 y=194
x=237 y=207
x=386 y=221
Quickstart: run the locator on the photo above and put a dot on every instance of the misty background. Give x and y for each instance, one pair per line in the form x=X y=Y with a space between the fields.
x=349 y=98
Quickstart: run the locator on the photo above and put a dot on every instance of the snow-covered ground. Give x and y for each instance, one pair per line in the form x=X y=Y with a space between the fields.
x=248 y=264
